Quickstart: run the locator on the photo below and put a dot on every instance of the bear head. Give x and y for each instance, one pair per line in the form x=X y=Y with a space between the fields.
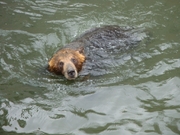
x=67 y=62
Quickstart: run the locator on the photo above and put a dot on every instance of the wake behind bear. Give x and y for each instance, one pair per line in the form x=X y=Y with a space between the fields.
x=93 y=50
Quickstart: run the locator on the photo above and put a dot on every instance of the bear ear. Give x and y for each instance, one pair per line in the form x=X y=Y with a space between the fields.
x=81 y=50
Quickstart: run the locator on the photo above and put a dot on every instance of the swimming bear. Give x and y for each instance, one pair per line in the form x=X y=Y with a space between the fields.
x=93 y=49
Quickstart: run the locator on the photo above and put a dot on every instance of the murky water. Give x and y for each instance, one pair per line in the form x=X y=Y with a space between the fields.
x=139 y=96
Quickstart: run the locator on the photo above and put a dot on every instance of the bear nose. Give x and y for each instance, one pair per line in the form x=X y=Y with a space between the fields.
x=71 y=73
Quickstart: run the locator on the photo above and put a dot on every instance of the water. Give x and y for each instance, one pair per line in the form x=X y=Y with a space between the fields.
x=140 y=96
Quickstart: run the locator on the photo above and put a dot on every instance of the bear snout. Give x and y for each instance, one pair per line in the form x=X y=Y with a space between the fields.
x=70 y=72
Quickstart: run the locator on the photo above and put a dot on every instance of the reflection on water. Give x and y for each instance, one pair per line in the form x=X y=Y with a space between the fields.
x=138 y=96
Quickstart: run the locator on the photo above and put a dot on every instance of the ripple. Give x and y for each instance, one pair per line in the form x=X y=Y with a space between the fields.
x=27 y=13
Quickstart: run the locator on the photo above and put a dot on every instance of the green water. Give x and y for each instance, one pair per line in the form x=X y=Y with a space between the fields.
x=140 y=96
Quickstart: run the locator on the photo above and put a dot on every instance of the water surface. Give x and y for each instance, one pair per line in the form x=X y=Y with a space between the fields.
x=141 y=94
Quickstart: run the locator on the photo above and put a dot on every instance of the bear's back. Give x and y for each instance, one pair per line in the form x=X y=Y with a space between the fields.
x=103 y=45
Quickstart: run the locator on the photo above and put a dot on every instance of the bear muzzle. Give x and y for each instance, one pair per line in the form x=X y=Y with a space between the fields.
x=70 y=72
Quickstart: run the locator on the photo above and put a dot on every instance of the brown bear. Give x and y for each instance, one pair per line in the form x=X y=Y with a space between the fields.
x=95 y=48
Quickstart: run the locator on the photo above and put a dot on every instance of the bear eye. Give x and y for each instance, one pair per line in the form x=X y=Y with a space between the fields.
x=74 y=60
x=61 y=63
